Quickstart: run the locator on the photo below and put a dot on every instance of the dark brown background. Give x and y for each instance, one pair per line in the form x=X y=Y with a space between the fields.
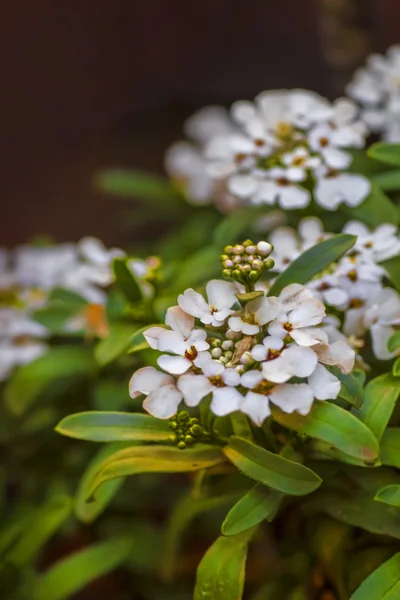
x=91 y=83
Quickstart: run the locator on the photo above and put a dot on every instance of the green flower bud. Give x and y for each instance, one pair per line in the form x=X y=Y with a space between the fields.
x=269 y=263
x=228 y=264
x=238 y=249
x=189 y=439
x=245 y=269
x=251 y=250
x=181 y=445
x=228 y=250
x=236 y=274
x=247 y=243
x=179 y=432
x=224 y=257
x=183 y=416
x=194 y=421
x=196 y=430
x=228 y=355
x=226 y=274
x=173 y=425
x=254 y=275
x=215 y=343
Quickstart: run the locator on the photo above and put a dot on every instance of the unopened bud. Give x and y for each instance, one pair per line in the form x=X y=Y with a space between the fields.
x=247 y=243
x=238 y=249
x=269 y=263
x=264 y=248
x=226 y=273
x=216 y=352
x=228 y=249
x=254 y=275
x=181 y=445
x=257 y=264
x=227 y=344
x=251 y=249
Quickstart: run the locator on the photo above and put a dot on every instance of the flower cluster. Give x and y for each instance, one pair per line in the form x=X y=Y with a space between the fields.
x=284 y=148
x=355 y=284
x=274 y=350
x=246 y=262
x=28 y=275
x=377 y=88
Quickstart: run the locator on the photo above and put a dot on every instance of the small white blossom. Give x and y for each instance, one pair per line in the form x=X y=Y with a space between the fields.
x=334 y=188
x=221 y=297
x=382 y=316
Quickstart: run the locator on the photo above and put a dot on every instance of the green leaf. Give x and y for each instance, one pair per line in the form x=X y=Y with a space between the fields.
x=396 y=368
x=99 y=426
x=67 y=298
x=185 y=511
x=394 y=341
x=154 y=459
x=376 y=209
x=390 y=447
x=115 y=344
x=313 y=261
x=75 y=572
x=386 y=153
x=334 y=425
x=382 y=584
x=55 y=318
x=41 y=528
x=388 y=180
x=258 y=504
x=127 y=281
x=221 y=573
x=271 y=469
x=88 y=510
x=240 y=425
x=389 y=494
x=363 y=164
x=232 y=227
x=351 y=389
x=137 y=184
x=359 y=511
x=380 y=396
x=392 y=268
x=58 y=369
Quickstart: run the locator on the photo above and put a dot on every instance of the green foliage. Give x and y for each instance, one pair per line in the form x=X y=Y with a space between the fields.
x=220 y=575
x=389 y=495
x=56 y=371
x=137 y=184
x=380 y=398
x=234 y=226
x=336 y=426
x=126 y=280
x=386 y=153
x=313 y=261
x=382 y=584
x=101 y=426
x=376 y=209
x=73 y=573
x=388 y=180
x=258 y=504
x=392 y=268
x=117 y=341
x=271 y=469
x=390 y=447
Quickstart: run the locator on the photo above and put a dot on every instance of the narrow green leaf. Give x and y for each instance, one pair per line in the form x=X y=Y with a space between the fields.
x=389 y=494
x=198 y=268
x=88 y=510
x=221 y=572
x=390 y=447
x=67 y=298
x=396 y=367
x=240 y=425
x=137 y=184
x=154 y=459
x=271 y=469
x=126 y=280
x=376 y=209
x=394 y=341
x=40 y=529
x=382 y=584
x=385 y=152
x=380 y=397
x=359 y=511
x=185 y=511
x=392 y=268
x=258 y=504
x=336 y=426
x=232 y=227
x=313 y=261
x=99 y=426
x=388 y=180
x=115 y=344
x=59 y=368
x=75 y=572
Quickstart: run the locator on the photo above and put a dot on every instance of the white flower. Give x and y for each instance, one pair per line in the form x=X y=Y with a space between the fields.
x=221 y=297
x=229 y=154
x=338 y=354
x=300 y=158
x=208 y=122
x=294 y=361
x=257 y=313
x=334 y=188
x=300 y=313
x=288 y=397
x=322 y=140
x=163 y=397
x=282 y=187
x=381 y=244
x=286 y=247
x=382 y=316
x=186 y=164
x=43 y=266
x=377 y=87
x=187 y=344
x=94 y=252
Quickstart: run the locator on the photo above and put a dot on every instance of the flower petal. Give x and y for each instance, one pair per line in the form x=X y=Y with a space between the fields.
x=193 y=303
x=225 y=401
x=176 y=365
x=294 y=361
x=152 y=335
x=308 y=336
x=339 y=354
x=265 y=309
x=324 y=385
x=292 y=295
x=172 y=341
x=194 y=388
x=179 y=320
x=163 y=403
x=292 y=397
x=250 y=379
x=255 y=406
x=380 y=335
x=221 y=294
x=147 y=380
x=309 y=312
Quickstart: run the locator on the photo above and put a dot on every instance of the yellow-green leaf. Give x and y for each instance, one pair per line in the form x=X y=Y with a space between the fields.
x=382 y=584
x=380 y=397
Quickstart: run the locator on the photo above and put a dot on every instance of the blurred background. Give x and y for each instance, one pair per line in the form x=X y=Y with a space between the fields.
x=92 y=83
